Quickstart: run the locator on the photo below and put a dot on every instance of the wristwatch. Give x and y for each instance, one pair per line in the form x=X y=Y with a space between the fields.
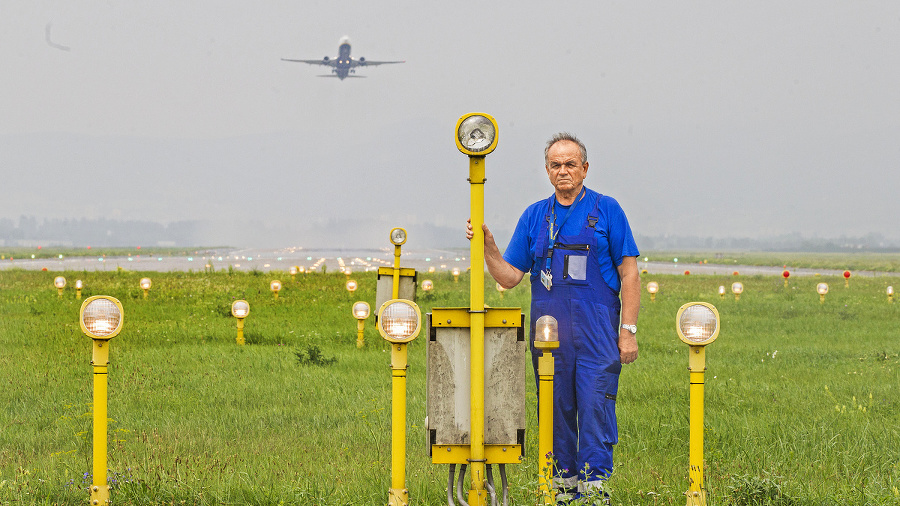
x=630 y=328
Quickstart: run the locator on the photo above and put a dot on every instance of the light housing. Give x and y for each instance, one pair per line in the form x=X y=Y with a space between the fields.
x=146 y=283
x=890 y=290
x=398 y=236
x=722 y=290
x=476 y=134
x=101 y=317
x=427 y=285
x=546 y=333
x=737 y=288
x=361 y=310
x=399 y=321
x=351 y=286
x=822 y=288
x=59 y=282
x=697 y=323
x=500 y=288
x=293 y=270
x=275 y=286
x=78 y=284
x=240 y=308
x=652 y=287
x=455 y=271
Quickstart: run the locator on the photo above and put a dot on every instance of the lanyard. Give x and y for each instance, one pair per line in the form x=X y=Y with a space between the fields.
x=552 y=226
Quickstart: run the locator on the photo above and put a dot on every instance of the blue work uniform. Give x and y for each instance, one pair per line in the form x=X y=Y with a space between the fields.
x=593 y=239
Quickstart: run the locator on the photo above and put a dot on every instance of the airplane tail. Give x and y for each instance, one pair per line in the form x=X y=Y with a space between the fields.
x=335 y=75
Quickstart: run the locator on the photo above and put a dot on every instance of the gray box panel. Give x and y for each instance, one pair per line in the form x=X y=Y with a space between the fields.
x=385 y=288
x=448 y=383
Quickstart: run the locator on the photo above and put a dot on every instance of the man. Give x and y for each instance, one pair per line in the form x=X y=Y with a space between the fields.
x=580 y=253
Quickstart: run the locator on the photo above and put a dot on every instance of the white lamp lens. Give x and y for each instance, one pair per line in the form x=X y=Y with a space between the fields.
x=101 y=317
x=399 y=320
x=698 y=323
x=476 y=133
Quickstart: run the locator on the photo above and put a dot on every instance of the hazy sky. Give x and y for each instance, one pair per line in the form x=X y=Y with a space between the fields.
x=714 y=118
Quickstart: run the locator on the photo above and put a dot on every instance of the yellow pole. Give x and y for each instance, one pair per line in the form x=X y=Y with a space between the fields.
x=78 y=294
x=146 y=292
x=100 y=361
x=477 y=495
x=399 y=494
x=545 y=427
x=240 y=331
x=395 y=290
x=696 y=494
x=60 y=291
x=360 y=327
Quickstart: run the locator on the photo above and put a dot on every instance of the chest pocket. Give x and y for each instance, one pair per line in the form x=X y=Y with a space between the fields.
x=575 y=259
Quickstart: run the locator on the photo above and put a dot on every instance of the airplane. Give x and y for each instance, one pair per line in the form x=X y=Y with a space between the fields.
x=343 y=66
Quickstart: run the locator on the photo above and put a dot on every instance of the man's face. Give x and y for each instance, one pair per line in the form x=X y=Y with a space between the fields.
x=564 y=166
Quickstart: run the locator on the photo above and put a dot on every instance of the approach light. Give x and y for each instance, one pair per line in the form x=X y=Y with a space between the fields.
x=351 y=286
x=347 y=272
x=275 y=286
x=427 y=285
x=361 y=310
x=546 y=331
x=101 y=317
x=786 y=275
x=722 y=291
x=78 y=286
x=145 y=286
x=697 y=323
x=652 y=288
x=455 y=273
x=890 y=293
x=822 y=289
x=476 y=134
x=399 y=321
x=398 y=236
x=500 y=289
x=240 y=309
x=59 y=282
x=431 y=269
x=293 y=272
x=846 y=279
x=737 y=288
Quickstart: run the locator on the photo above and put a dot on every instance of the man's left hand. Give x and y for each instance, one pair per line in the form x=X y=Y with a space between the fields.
x=628 y=347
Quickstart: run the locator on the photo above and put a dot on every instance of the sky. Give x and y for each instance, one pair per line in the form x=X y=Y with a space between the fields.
x=708 y=118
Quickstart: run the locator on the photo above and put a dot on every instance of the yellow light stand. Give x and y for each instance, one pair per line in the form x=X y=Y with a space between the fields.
x=697 y=324
x=546 y=340
x=60 y=283
x=101 y=318
x=78 y=286
x=145 y=286
x=240 y=309
x=361 y=313
x=399 y=322
x=652 y=289
x=890 y=294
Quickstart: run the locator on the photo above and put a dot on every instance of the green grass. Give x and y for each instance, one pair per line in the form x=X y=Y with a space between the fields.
x=801 y=397
x=22 y=252
x=881 y=262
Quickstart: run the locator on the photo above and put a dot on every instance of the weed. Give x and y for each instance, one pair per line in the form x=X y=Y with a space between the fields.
x=313 y=356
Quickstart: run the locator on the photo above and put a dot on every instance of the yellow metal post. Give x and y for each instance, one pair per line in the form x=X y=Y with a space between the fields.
x=240 y=331
x=60 y=292
x=146 y=292
x=100 y=361
x=477 y=494
x=696 y=494
x=78 y=293
x=360 y=327
x=546 y=462
x=399 y=494
x=395 y=290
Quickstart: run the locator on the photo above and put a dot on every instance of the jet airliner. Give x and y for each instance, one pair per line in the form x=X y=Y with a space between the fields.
x=343 y=66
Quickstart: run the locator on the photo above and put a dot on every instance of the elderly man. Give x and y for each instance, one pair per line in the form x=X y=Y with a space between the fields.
x=579 y=250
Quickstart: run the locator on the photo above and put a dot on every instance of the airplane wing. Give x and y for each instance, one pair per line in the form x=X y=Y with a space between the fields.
x=362 y=62
x=326 y=61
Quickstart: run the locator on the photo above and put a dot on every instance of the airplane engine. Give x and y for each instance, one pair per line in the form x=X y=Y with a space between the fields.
x=362 y=60
x=325 y=59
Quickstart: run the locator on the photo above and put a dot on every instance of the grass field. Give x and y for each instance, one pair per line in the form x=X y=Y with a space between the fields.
x=801 y=397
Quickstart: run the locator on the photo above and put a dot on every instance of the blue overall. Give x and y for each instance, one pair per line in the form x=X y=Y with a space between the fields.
x=587 y=362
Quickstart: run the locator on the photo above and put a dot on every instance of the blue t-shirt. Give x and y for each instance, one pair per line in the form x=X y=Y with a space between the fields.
x=613 y=234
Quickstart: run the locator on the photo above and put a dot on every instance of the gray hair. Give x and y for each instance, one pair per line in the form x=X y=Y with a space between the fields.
x=565 y=136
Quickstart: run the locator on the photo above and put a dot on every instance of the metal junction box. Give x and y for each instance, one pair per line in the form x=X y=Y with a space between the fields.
x=448 y=380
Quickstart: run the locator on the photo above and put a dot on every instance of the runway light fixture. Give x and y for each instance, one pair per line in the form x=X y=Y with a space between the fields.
x=476 y=134
x=293 y=272
x=347 y=272
x=846 y=279
x=697 y=324
x=822 y=289
x=399 y=321
x=101 y=318
x=786 y=275
x=60 y=284
x=145 y=286
x=455 y=272
x=737 y=288
x=361 y=312
x=890 y=294
x=275 y=286
x=427 y=285
x=240 y=309
x=398 y=236
x=351 y=286
x=722 y=291
x=652 y=289
x=78 y=286
x=500 y=289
